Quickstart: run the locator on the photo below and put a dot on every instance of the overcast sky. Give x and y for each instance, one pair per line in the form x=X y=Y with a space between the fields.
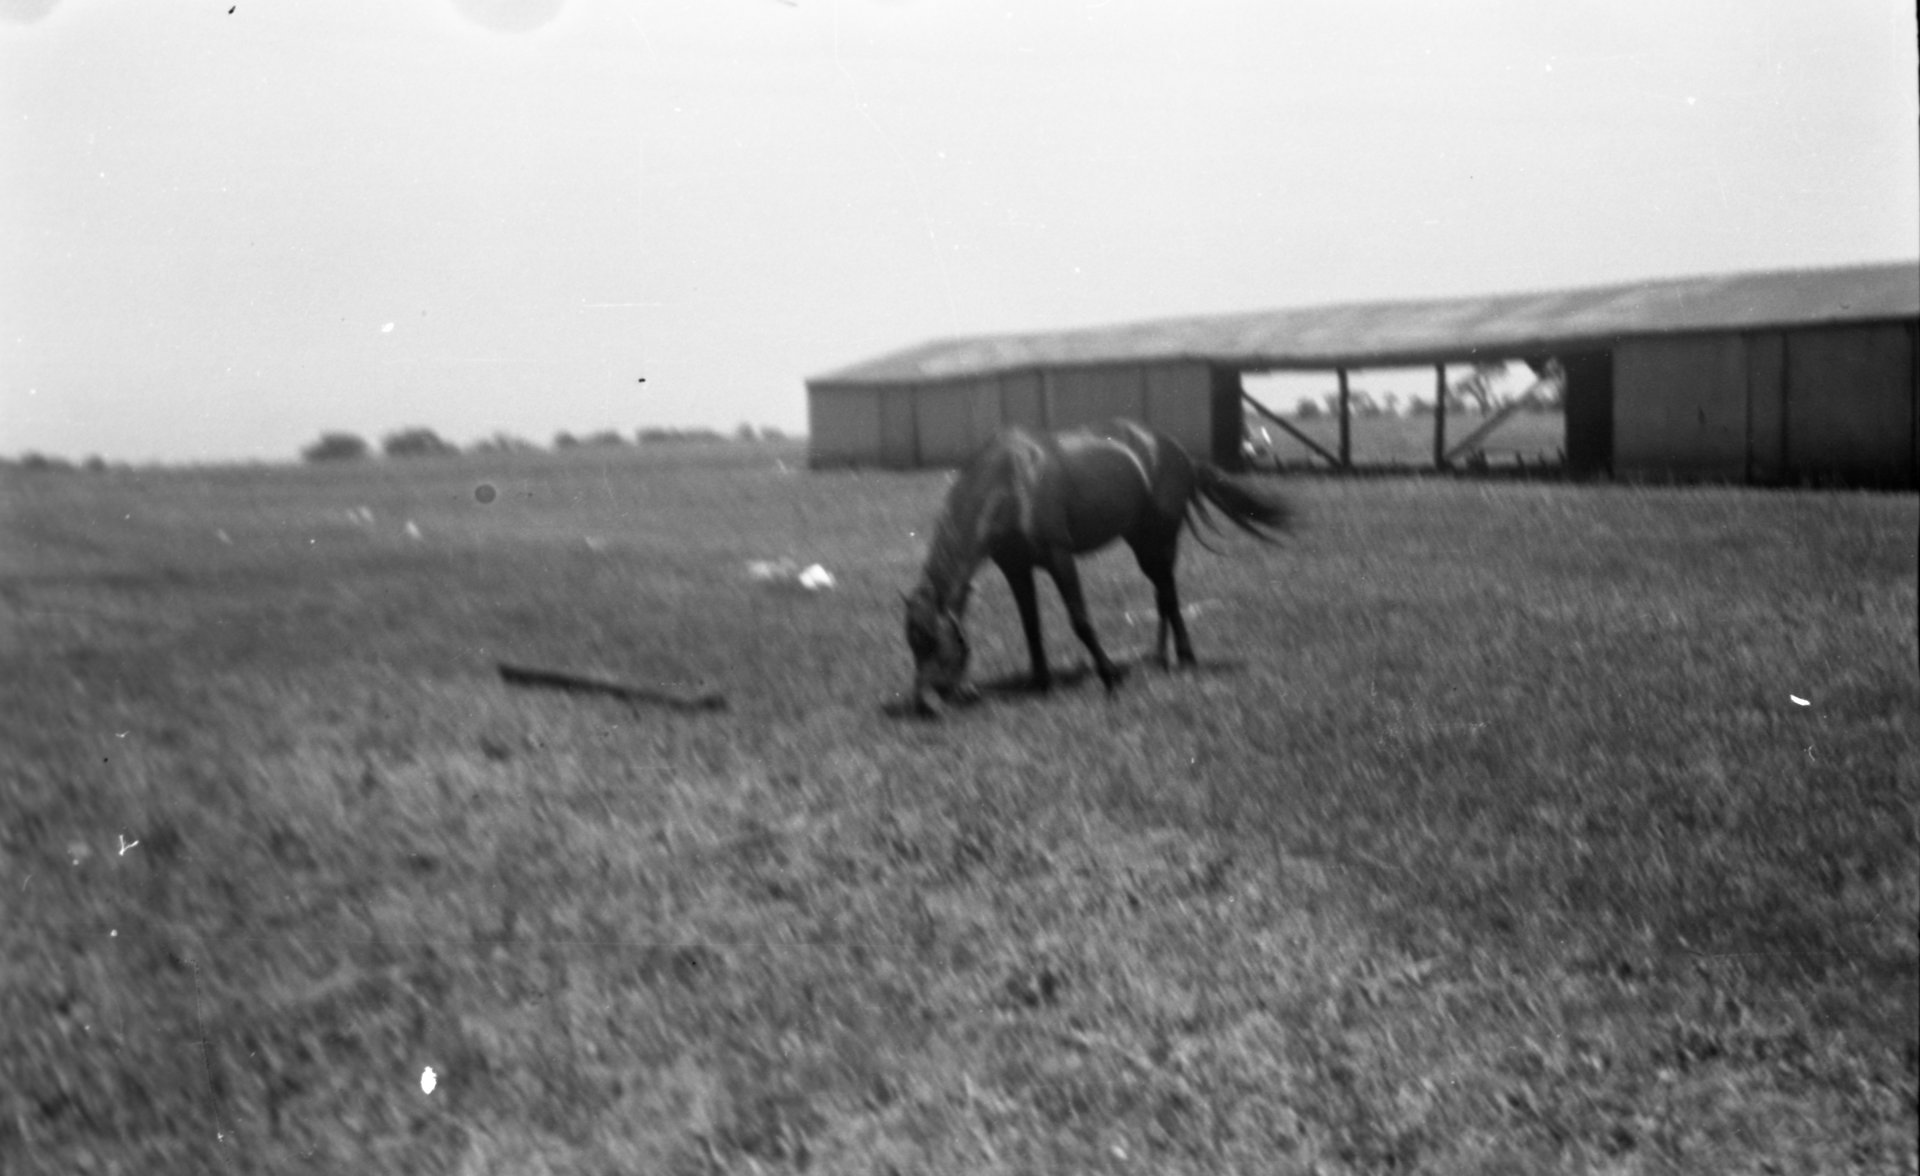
x=228 y=225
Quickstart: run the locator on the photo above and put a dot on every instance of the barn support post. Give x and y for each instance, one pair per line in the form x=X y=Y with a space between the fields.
x=1346 y=424
x=1439 y=416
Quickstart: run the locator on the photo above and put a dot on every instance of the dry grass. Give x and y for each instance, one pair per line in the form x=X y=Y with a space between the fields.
x=1490 y=840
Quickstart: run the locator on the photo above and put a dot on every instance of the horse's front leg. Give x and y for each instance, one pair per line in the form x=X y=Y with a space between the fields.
x=1060 y=564
x=1020 y=579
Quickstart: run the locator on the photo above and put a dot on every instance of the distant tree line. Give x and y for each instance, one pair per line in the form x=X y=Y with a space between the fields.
x=35 y=462
x=424 y=442
x=334 y=445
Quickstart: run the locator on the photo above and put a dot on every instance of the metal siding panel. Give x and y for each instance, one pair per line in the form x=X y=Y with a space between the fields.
x=1022 y=401
x=1179 y=403
x=945 y=423
x=1766 y=408
x=1083 y=396
x=1850 y=405
x=1680 y=408
x=897 y=449
x=843 y=426
x=984 y=396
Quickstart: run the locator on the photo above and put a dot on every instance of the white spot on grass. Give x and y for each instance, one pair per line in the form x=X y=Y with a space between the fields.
x=224 y=537
x=125 y=845
x=412 y=529
x=1799 y=701
x=428 y=1080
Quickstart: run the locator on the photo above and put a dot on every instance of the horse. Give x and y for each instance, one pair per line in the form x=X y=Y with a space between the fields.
x=1028 y=500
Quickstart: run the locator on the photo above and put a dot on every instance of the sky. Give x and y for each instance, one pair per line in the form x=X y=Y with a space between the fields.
x=227 y=227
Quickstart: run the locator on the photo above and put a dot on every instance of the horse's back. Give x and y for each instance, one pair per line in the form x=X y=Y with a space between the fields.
x=1111 y=480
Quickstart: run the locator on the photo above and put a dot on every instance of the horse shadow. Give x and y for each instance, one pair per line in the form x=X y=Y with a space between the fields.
x=1014 y=687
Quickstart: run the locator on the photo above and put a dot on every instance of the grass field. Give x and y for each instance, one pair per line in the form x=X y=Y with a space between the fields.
x=1492 y=836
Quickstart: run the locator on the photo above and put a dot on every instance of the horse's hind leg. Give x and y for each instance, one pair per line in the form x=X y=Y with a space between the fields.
x=1020 y=580
x=1156 y=561
x=1060 y=565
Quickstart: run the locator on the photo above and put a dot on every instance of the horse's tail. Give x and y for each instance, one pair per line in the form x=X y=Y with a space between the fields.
x=1264 y=516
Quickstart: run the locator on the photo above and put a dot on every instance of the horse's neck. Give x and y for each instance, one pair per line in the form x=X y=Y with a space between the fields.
x=959 y=543
x=952 y=559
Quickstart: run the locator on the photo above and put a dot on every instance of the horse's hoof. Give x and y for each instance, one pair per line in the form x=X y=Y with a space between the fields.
x=1112 y=677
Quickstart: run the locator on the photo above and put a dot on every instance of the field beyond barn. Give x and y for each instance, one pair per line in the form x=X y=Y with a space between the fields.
x=1509 y=828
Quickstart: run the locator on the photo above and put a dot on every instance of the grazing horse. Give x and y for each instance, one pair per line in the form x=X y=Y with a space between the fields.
x=1031 y=500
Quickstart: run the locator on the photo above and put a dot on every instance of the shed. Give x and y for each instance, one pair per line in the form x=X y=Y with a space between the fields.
x=1783 y=376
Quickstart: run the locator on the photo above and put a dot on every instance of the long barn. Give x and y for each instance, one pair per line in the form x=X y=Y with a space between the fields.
x=1783 y=377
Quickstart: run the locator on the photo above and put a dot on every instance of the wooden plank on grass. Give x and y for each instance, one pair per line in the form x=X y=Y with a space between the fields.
x=626 y=691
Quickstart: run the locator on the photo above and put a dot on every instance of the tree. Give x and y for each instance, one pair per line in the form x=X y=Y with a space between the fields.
x=1549 y=391
x=41 y=463
x=1307 y=410
x=336 y=447
x=416 y=442
x=1477 y=389
x=744 y=432
x=502 y=443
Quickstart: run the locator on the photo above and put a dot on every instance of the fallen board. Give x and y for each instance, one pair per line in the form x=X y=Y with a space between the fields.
x=591 y=684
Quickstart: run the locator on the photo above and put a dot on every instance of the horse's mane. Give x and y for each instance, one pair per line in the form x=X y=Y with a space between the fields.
x=951 y=550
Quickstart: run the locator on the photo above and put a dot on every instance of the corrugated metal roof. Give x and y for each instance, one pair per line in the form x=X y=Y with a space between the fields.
x=1377 y=334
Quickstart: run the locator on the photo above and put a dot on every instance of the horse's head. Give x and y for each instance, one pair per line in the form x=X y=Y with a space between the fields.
x=939 y=647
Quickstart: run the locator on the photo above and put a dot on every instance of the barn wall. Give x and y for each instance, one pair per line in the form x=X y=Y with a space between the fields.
x=898 y=441
x=946 y=421
x=1680 y=408
x=1766 y=407
x=1023 y=401
x=1082 y=396
x=953 y=419
x=987 y=406
x=1178 y=403
x=1850 y=405
x=843 y=426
